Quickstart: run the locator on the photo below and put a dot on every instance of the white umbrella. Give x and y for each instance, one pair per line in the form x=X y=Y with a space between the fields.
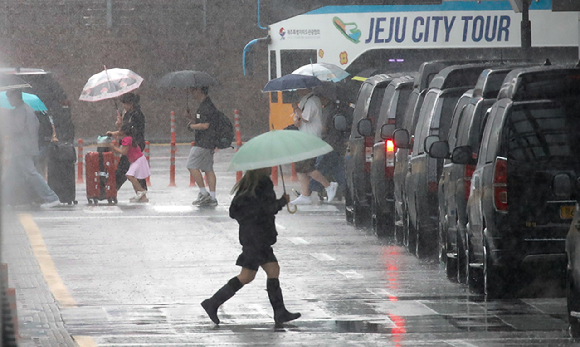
x=324 y=71
x=110 y=83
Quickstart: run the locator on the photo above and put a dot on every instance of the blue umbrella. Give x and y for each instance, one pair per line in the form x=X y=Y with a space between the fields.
x=31 y=99
x=291 y=82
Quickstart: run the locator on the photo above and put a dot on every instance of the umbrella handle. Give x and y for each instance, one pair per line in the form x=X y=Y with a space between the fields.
x=292 y=211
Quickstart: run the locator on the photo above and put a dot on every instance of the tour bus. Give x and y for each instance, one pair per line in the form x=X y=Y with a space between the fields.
x=397 y=38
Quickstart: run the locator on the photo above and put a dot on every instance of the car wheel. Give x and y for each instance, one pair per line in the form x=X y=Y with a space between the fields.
x=361 y=217
x=405 y=222
x=573 y=305
x=399 y=229
x=462 y=262
x=474 y=274
x=492 y=279
x=451 y=263
x=348 y=206
x=422 y=247
x=379 y=221
x=411 y=236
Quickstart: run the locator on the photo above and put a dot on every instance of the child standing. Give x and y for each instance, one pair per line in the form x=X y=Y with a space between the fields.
x=139 y=168
x=254 y=207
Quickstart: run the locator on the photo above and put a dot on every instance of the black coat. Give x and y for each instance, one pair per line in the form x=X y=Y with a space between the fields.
x=136 y=119
x=255 y=215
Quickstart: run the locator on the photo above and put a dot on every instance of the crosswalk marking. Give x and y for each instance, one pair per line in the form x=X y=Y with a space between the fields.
x=350 y=274
x=322 y=256
x=102 y=209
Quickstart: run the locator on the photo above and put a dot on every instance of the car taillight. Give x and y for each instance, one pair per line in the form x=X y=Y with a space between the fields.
x=467 y=179
x=500 y=197
x=368 y=153
x=389 y=158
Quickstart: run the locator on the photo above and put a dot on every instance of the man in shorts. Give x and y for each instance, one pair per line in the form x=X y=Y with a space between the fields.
x=308 y=118
x=200 y=157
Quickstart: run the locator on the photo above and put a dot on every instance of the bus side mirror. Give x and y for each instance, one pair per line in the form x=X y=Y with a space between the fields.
x=401 y=138
x=387 y=131
x=365 y=127
x=463 y=155
x=439 y=150
x=339 y=122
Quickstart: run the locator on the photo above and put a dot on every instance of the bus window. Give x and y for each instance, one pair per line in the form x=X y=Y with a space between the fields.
x=291 y=60
x=273 y=66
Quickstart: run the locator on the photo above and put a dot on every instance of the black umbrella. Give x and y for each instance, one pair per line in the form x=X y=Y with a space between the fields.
x=186 y=79
x=8 y=81
x=291 y=82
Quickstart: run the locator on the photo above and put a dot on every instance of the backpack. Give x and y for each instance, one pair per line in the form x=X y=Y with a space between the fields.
x=44 y=128
x=224 y=131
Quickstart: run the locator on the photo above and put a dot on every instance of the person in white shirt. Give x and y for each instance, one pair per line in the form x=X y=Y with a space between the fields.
x=308 y=118
x=22 y=126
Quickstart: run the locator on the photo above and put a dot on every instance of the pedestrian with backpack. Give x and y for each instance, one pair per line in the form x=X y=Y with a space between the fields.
x=200 y=158
x=254 y=207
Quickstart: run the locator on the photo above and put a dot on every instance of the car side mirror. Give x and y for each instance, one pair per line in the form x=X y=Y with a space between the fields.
x=463 y=155
x=439 y=150
x=429 y=140
x=401 y=138
x=387 y=131
x=339 y=122
x=365 y=127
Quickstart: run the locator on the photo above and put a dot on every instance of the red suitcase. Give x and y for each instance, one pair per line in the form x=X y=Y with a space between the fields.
x=100 y=177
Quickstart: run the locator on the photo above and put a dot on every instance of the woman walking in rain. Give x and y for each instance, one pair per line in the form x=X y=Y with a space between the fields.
x=254 y=207
x=134 y=117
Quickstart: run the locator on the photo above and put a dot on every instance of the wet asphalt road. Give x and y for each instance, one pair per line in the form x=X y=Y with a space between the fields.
x=134 y=275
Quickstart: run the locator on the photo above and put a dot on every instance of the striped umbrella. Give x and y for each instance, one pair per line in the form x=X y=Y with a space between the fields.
x=109 y=84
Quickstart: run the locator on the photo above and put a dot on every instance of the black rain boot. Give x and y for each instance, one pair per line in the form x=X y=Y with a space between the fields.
x=212 y=304
x=281 y=314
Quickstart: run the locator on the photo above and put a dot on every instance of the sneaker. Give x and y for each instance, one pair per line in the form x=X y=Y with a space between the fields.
x=50 y=204
x=137 y=198
x=331 y=191
x=143 y=198
x=301 y=200
x=201 y=197
x=209 y=202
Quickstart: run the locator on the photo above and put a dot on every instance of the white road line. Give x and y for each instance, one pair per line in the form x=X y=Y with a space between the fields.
x=125 y=217
x=350 y=274
x=322 y=256
x=175 y=208
x=280 y=227
x=297 y=240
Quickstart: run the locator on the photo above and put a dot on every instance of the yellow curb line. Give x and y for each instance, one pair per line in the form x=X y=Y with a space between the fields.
x=47 y=266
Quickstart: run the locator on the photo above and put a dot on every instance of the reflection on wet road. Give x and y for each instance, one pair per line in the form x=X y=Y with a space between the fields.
x=137 y=274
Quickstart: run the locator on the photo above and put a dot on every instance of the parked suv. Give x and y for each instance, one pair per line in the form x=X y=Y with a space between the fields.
x=45 y=86
x=427 y=71
x=422 y=178
x=525 y=184
x=467 y=125
x=383 y=158
x=359 y=149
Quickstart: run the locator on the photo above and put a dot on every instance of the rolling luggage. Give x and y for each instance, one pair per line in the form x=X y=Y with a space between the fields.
x=61 y=171
x=100 y=177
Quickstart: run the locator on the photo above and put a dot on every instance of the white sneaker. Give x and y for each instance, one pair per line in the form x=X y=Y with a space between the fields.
x=331 y=191
x=301 y=200
x=201 y=199
x=50 y=204
x=209 y=202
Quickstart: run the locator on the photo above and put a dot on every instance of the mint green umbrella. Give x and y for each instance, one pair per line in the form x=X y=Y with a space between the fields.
x=277 y=147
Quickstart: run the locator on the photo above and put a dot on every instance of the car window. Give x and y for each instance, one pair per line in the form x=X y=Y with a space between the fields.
x=417 y=110
x=422 y=129
x=445 y=114
x=493 y=130
x=360 y=107
x=464 y=126
x=385 y=104
x=375 y=104
x=410 y=110
x=401 y=104
x=542 y=131
x=458 y=115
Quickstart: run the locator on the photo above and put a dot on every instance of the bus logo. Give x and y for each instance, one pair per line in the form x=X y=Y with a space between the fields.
x=349 y=30
x=282 y=33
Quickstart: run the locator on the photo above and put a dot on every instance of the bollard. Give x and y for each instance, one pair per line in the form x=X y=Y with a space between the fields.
x=191 y=180
x=147 y=156
x=238 y=140
x=172 y=127
x=294 y=175
x=80 y=163
x=172 y=166
x=275 y=175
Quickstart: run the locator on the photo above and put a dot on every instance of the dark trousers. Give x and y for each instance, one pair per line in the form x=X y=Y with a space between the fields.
x=120 y=174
